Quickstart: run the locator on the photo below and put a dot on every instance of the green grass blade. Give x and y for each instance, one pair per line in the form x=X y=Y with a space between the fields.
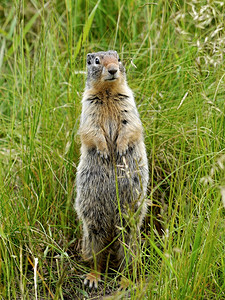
x=86 y=30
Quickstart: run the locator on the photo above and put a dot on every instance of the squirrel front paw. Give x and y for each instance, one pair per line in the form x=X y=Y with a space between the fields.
x=102 y=150
x=103 y=153
x=122 y=147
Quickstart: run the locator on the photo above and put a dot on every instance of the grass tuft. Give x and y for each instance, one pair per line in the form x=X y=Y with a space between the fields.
x=173 y=52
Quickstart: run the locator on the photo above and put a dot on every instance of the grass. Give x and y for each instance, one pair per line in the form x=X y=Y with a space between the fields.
x=179 y=84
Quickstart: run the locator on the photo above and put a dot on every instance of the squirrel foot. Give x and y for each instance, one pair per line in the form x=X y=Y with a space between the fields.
x=92 y=278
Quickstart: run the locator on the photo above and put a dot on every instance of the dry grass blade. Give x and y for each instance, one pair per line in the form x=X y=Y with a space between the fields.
x=41 y=277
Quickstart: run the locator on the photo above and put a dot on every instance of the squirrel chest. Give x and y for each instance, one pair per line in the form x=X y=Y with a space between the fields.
x=109 y=113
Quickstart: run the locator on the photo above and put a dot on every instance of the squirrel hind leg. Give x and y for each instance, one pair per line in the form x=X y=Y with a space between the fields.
x=121 y=248
x=94 y=252
x=118 y=255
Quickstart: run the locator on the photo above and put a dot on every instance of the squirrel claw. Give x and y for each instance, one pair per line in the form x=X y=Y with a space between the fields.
x=122 y=152
x=103 y=154
x=92 y=278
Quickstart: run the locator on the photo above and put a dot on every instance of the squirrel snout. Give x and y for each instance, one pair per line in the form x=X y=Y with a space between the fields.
x=113 y=69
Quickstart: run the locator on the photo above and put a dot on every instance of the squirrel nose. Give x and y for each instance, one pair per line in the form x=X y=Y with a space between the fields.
x=112 y=71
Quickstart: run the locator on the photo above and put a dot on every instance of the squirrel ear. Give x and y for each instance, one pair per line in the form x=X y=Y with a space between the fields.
x=88 y=57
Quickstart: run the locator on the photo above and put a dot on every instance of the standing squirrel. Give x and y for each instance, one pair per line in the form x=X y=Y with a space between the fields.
x=112 y=175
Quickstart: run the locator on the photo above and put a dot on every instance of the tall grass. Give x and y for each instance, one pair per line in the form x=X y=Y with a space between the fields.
x=174 y=56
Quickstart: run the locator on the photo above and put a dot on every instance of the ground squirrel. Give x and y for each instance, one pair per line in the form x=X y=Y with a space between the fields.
x=112 y=175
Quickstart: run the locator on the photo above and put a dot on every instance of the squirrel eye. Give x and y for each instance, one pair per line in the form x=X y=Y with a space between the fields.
x=97 y=61
x=119 y=60
x=89 y=62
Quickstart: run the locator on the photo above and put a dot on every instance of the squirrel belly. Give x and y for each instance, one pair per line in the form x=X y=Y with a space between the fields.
x=112 y=174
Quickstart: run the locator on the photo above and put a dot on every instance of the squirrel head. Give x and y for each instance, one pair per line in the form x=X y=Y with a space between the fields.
x=104 y=68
